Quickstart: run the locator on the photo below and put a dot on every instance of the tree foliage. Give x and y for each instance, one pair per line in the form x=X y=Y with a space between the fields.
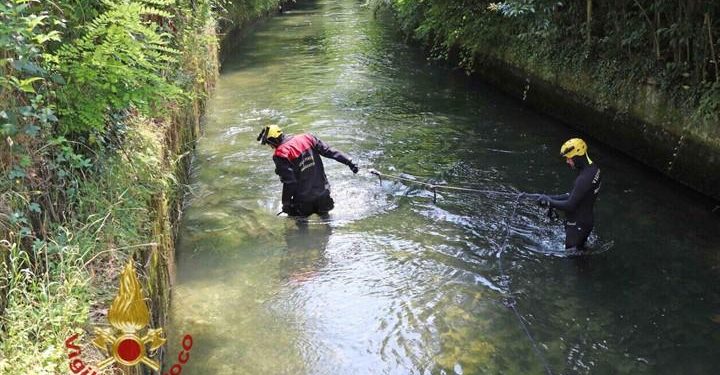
x=119 y=62
x=623 y=42
x=72 y=73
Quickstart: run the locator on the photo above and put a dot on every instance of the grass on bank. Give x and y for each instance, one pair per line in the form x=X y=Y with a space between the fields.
x=84 y=258
x=77 y=191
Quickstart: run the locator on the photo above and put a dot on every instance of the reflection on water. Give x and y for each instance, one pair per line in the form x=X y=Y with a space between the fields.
x=394 y=283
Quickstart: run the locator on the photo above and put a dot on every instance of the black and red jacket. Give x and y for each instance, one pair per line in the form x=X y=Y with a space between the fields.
x=298 y=163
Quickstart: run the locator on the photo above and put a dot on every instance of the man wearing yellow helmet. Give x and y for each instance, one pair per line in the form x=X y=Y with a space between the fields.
x=578 y=204
x=297 y=161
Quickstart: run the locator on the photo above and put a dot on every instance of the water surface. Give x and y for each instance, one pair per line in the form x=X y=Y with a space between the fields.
x=395 y=284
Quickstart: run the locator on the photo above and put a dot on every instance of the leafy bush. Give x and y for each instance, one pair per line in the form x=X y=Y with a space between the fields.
x=120 y=62
x=86 y=86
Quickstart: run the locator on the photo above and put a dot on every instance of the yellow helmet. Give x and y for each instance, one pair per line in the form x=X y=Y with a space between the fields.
x=270 y=134
x=573 y=147
x=274 y=131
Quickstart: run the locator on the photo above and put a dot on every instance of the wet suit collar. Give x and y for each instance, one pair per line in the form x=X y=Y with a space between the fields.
x=581 y=161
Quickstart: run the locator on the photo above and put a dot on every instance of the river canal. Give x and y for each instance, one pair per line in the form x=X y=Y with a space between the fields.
x=397 y=284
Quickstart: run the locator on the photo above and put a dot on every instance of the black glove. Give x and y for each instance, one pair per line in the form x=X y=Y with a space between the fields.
x=353 y=167
x=288 y=208
x=552 y=214
x=543 y=200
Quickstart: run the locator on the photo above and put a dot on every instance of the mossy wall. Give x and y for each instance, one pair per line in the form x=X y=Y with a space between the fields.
x=648 y=128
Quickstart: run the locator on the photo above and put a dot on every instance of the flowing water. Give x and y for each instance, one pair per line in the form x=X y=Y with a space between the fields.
x=396 y=284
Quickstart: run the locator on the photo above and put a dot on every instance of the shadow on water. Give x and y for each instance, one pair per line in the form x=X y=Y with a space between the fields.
x=304 y=256
x=394 y=283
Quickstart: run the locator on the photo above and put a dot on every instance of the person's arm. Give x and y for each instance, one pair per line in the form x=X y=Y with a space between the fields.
x=544 y=197
x=327 y=151
x=288 y=195
x=284 y=169
x=582 y=186
x=560 y=197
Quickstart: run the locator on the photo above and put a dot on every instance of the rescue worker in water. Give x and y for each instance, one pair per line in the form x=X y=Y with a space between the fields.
x=578 y=204
x=306 y=190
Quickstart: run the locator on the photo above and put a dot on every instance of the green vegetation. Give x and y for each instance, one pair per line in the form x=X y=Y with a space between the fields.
x=99 y=100
x=241 y=12
x=617 y=45
x=50 y=288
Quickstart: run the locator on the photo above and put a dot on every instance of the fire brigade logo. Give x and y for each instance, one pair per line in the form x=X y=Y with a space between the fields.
x=128 y=316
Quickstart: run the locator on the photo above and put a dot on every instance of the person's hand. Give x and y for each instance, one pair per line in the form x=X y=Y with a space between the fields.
x=543 y=200
x=353 y=167
x=288 y=208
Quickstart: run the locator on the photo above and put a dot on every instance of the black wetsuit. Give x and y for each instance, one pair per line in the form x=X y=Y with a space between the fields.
x=578 y=204
x=305 y=187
